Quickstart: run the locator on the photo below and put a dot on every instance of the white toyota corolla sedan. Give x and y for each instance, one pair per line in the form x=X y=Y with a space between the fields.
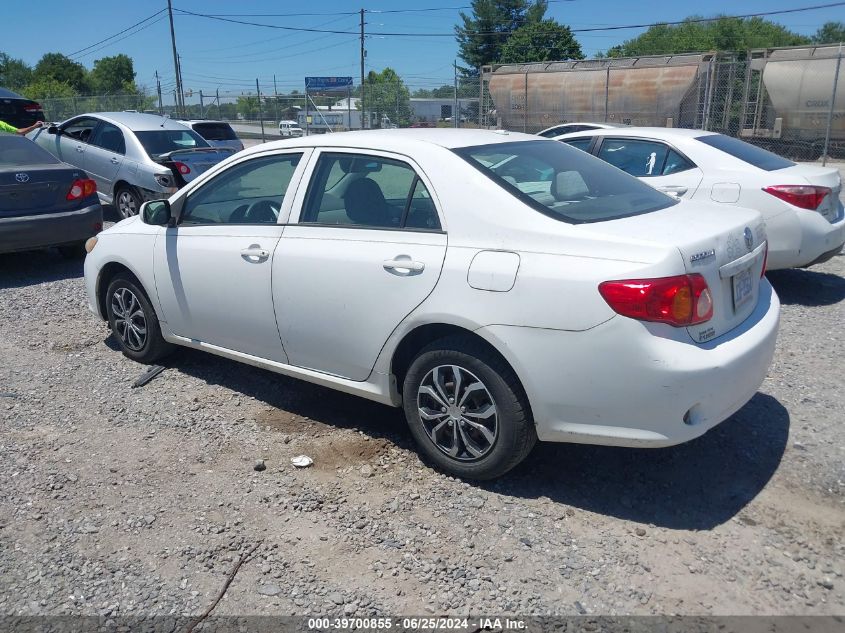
x=500 y=287
x=805 y=220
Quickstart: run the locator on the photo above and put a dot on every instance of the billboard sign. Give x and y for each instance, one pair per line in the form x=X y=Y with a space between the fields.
x=328 y=84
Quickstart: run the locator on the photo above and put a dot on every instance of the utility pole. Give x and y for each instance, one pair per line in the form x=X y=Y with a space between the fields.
x=158 y=89
x=202 y=107
x=180 y=102
x=456 y=114
x=363 y=53
x=260 y=114
x=275 y=100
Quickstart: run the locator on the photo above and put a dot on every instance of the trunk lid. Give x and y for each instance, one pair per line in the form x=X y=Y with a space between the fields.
x=35 y=189
x=198 y=160
x=831 y=206
x=724 y=245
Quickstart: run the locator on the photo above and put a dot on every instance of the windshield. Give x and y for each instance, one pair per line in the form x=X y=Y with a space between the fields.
x=160 y=142
x=563 y=182
x=17 y=151
x=746 y=152
x=215 y=131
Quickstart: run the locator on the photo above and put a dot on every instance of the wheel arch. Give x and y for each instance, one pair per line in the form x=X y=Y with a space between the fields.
x=108 y=272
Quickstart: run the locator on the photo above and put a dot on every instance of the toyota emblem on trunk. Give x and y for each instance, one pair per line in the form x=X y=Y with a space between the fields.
x=22 y=177
x=749 y=238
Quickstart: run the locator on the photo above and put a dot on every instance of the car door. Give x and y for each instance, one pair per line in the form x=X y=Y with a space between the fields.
x=72 y=142
x=654 y=162
x=104 y=156
x=366 y=249
x=213 y=270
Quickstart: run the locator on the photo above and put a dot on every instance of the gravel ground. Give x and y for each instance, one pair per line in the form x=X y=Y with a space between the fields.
x=123 y=502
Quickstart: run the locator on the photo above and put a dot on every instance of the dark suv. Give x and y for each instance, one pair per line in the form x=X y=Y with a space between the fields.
x=19 y=111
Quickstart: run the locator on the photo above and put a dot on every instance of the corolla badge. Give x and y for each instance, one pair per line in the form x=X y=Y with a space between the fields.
x=749 y=238
x=22 y=177
x=702 y=256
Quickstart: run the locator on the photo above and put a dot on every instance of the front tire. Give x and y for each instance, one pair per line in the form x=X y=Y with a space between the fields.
x=127 y=201
x=134 y=322
x=467 y=410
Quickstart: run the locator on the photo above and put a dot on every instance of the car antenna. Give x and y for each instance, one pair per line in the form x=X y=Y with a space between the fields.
x=165 y=116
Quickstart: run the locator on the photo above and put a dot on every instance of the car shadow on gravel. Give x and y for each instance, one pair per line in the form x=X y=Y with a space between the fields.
x=30 y=268
x=800 y=286
x=697 y=485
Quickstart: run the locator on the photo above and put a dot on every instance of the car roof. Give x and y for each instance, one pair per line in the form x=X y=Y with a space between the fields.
x=138 y=121
x=649 y=132
x=399 y=139
x=8 y=94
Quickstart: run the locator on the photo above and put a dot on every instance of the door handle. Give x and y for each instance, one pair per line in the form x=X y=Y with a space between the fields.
x=80 y=149
x=114 y=161
x=255 y=253
x=403 y=263
x=674 y=190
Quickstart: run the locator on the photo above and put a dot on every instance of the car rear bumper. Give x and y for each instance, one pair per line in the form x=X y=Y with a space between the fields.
x=803 y=238
x=628 y=383
x=49 y=229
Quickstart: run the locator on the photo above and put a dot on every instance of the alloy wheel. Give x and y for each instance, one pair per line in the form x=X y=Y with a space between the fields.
x=126 y=204
x=458 y=412
x=130 y=322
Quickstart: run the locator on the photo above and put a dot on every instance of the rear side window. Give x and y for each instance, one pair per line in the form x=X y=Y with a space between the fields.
x=110 y=138
x=562 y=182
x=675 y=163
x=746 y=152
x=215 y=131
x=580 y=143
x=368 y=191
x=638 y=158
x=17 y=151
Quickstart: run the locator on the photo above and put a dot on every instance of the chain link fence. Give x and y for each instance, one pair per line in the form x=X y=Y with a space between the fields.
x=788 y=100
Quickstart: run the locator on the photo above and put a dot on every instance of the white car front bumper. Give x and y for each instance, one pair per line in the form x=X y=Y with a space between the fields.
x=629 y=383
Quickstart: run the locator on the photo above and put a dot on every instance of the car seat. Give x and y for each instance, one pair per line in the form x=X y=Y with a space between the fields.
x=365 y=203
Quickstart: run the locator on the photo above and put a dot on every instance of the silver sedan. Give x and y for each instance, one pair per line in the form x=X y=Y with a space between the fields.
x=133 y=157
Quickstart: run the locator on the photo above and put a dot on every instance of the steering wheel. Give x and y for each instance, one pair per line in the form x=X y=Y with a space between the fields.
x=262 y=212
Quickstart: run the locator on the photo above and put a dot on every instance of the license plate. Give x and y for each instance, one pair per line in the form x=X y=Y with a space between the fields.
x=743 y=287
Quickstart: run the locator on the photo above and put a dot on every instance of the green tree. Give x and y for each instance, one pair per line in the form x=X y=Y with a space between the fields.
x=14 y=73
x=830 y=33
x=63 y=70
x=482 y=34
x=721 y=33
x=48 y=88
x=248 y=107
x=113 y=75
x=540 y=42
x=387 y=96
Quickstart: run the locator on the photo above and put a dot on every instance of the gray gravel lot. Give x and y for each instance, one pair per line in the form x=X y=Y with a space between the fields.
x=122 y=502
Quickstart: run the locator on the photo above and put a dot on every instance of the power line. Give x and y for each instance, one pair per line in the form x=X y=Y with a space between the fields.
x=81 y=50
x=120 y=39
x=582 y=30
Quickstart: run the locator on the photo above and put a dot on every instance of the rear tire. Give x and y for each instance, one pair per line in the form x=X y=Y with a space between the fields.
x=127 y=201
x=134 y=322
x=467 y=410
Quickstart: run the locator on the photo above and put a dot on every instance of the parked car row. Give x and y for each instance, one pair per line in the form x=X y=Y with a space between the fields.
x=805 y=219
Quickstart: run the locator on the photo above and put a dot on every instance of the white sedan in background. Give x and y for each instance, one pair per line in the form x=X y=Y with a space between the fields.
x=804 y=217
x=499 y=287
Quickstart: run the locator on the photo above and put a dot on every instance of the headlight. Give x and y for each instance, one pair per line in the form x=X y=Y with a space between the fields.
x=90 y=243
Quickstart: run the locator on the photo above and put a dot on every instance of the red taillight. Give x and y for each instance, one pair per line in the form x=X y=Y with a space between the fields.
x=81 y=188
x=183 y=168
x=32 y=107
x=803 y=196
x=678 y=301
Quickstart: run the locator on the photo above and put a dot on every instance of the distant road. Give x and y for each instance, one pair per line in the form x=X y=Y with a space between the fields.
x=252 y=130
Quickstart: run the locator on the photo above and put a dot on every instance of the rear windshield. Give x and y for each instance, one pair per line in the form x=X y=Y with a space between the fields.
x=8 y=94
x=215 y=131
x=17 y=151
x=563 y=182
x=746 y=152
x=161 y=142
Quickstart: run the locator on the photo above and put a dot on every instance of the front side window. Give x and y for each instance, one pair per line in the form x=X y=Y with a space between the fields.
x=248 y=193
x=110 y=138
x=80 y=129
x=160 y=142
x=562 y=182
x=368 y=191
x=638 y=158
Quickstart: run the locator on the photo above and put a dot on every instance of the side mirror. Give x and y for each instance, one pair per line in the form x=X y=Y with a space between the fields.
x=157 y=213
x=53 y=130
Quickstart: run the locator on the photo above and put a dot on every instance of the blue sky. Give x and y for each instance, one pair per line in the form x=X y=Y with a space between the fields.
x=229 y=57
